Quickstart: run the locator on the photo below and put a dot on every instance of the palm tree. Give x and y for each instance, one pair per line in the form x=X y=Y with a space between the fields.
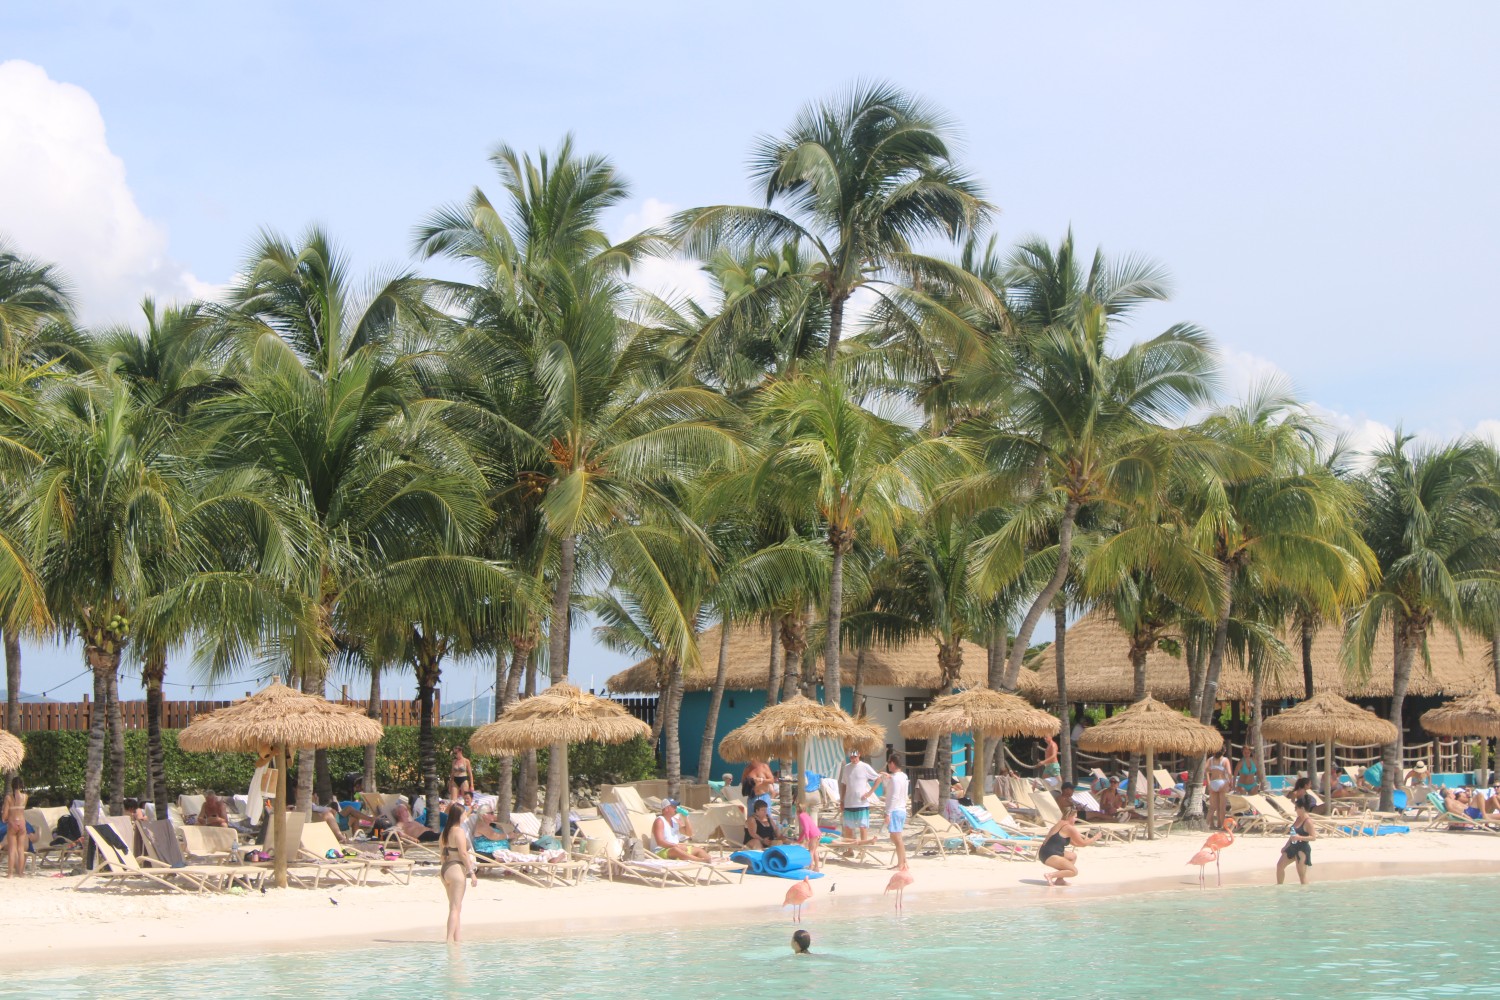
x=34 y=298
x=329 y=403
x=1070 y=419
x=861 y=472
x=862 y=179
x=1428 y=515
x=598 y=433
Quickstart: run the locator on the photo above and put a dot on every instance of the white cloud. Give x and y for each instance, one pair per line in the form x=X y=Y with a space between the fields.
x=64 y=198
x=671 y=278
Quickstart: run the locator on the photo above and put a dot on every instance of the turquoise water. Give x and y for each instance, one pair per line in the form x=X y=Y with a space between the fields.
x=1380 y=938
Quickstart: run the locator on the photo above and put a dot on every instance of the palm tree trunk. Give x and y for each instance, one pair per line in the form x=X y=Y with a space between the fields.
x=520 y=653
x=306 y=766
x=153 y=672
x=373 y=711
x=859 y=682
x=1307 y=692
x=715 y=700
x=839 y=538
x=809 y=655
x=1043 y=600
x=835 y=326
x=322 y=777
x=526 y=794
x=1494 y=655
x=673 y=732
x=1208 y=698
x=1257 y=716
x=12 y=681
x=1408 y=638
x=429 y=670
x=102 y=664
x=1138 y=654
x=1065 y=734
x=116 y=745
x=776 y=672
x=793 y=641
x=558 y=627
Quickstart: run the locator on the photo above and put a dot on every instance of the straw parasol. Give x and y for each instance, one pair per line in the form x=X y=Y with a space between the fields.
x=1328 y=719
x=1472 y=715
x=987 y=714
x=273 y=722
x=560 y=714
x=781 y=731
x=1146 y=727
x=11 y=752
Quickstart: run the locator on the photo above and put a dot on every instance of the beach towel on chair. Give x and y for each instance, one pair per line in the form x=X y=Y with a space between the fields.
x=789 y=862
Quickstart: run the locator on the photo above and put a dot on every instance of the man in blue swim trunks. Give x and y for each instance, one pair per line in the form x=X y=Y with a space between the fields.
x=894 y=783
x=855 y=779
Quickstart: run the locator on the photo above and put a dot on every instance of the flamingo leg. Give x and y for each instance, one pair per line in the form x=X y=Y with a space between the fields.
x=1218 y=870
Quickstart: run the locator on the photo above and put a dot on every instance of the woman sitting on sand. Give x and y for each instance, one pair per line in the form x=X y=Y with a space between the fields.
x=458 y=868
x=1058 y=852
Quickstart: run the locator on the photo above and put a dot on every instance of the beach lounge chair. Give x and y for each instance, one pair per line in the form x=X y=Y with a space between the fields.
x=210 y=843
x=47 y=852
x=1048 y=811
x=544 y=871
x=1327 y=826
x=317 y=840
x=1252 y=817
x=875 y=849
x=1443 y=819
x=987 y=836
x=121 y=867
x=1166 y=785
x=605 y=848
x=1001 y=812
x=926 y=798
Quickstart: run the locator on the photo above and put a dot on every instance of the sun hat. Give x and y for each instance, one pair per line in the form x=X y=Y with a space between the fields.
x=1421 y=766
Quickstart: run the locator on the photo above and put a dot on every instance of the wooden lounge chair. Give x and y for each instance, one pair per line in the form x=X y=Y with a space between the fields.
x=607 y=850
x=1327 y=826
x=317 y=840
x=1022 y=826
x=1048 y=811
x=953 y=838
x=210 y=843
x=1252 y=817
x=875 y=850
x=47 y=852
x=123 y=868
x=534 y=869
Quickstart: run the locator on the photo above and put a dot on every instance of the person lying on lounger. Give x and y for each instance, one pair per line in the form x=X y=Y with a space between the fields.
x=670 y=831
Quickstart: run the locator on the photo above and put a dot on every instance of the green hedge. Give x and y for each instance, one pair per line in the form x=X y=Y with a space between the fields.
x=55 y=763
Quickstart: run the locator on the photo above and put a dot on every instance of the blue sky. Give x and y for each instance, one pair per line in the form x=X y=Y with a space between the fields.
x=1320 y=179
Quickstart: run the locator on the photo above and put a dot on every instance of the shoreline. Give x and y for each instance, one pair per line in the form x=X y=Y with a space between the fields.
x=59 y=925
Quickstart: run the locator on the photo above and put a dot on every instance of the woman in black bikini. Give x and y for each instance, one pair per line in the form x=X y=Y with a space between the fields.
x=1057 y=850
x=760 y=832
x=459 y=774
x=458 y=866
x=1298 y=848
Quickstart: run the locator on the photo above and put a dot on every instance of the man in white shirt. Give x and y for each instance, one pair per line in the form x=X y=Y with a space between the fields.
x=895 y=784
x=855 y=779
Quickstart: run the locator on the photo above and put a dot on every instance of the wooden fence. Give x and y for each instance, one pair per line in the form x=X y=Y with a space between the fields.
x=77 y=715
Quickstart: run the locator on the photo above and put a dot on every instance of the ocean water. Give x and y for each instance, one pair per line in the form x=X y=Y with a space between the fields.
x=1408 y=937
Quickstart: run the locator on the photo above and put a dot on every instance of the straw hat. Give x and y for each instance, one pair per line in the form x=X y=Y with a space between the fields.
x=11 y=752
x=778 y=730
x=1151 y=725
x=1472 y=715
x=560 y=714
x=980 y=710
x=1327 y=718
x=279 y=716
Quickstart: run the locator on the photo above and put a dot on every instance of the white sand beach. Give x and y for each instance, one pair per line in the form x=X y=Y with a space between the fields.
x=49 y=922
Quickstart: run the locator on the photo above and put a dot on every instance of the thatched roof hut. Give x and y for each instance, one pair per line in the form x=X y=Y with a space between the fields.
x=12 y=751
x=1327 y=718
x=912 y=665
x=279 y=717
x=560 y=714
x=1099 y=671
x=780 y=730
x=1477 y=714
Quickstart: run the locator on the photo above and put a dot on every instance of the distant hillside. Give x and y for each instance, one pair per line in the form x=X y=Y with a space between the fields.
x=31 y=699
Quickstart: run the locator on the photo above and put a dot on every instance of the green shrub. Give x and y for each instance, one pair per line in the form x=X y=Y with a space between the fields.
x=55 y=764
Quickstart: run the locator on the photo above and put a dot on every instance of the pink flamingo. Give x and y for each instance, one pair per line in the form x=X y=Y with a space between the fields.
x=1216 y=842
x=899 y=881
x=799 y=893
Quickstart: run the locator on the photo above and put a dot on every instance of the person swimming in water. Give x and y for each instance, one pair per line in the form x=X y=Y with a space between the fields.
x=801 y=943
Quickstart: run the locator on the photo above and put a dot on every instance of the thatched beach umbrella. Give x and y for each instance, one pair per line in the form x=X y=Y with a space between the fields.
x=1146 y=727
x=985 y=713
x=782 y=731
x=1476 y=714
x=1328 y=719
x=560 y=714
x=12 y=751
x=276 y=721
